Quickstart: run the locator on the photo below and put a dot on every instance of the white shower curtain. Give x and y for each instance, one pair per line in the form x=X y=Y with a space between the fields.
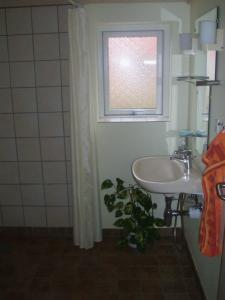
x=86 y=207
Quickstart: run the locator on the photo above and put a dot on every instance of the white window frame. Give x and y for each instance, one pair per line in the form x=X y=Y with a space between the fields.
x=161 y=113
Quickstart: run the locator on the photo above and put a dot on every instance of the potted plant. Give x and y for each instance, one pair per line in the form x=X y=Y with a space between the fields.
x=133 y=209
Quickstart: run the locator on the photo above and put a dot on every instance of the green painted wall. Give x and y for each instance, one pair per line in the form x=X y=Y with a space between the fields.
x=208 y=268
x=118 y=144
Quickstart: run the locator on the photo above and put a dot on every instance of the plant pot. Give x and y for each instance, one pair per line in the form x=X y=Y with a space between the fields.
x=130 y=244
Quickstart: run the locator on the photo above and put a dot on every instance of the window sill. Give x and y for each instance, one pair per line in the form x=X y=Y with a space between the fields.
x=130 y=119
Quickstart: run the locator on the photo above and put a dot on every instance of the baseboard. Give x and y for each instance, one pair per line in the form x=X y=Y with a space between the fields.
x=66 y=232
x=163 y=231
x=36 y=232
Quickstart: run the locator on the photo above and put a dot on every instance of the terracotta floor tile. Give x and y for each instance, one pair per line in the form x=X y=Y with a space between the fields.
x=196 y=296
x=170 y=260
x=173 y=286
x=129 y=296
x=152 y=286
x=53 y=269
x=188 y=272
x=129 y=286
x=177 y=296
x=170 y=272
x=152 y=297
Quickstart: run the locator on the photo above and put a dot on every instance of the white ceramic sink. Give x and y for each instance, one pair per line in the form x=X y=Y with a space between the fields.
x=160 y=174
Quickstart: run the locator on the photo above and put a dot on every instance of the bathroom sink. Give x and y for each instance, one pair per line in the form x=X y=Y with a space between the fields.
x=160 y=174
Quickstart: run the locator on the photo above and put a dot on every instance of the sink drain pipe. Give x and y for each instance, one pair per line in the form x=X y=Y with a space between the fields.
x=169 y=213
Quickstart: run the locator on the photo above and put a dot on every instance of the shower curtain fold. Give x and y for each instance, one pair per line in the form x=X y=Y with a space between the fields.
x=86 y=207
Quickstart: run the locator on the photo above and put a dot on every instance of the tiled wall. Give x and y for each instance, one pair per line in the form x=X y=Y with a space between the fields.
x=35 y=173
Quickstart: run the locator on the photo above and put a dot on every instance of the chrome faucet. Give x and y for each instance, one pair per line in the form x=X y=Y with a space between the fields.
x=185 y=156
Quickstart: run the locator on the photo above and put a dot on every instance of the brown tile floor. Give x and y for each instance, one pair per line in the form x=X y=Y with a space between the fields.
x=53 y=269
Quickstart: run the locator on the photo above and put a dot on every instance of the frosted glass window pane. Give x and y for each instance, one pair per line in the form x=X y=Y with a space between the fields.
x=132 y=71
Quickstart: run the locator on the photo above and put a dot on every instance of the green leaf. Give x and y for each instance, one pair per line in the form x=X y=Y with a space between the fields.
x=110 y=208
x=119 y=181
x=106 y=184
x=145 y=221
x=143 y=199
x=119 y=223
x=159 y=222
x=119 y=205
x=129 y=225
x=109 y=202
x=118 y=213
x=128 y=208
x=120 y=187
x=137 y=212
x=106 y=199
x=122 y=194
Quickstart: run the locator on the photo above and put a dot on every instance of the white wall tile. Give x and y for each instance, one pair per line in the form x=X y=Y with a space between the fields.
x=70 y=194
x=33 y=195
x=46 y=46
x=12 y=216
x=6 y=125
x=5 y=101
x=70 y=216
x=10 y=195
x=24 y=100
x=3 y=49
x=56 y=195
x=57 y=216
x=68 y=148
x=63 y=18
x=51 y=124
x=65 y=72
x=19 y=20
x=66 y=118
x=54 y=172
x=26 y=125
x=45 y=19
x=9 y=173
x=35 y=216
x=4 y=75
x=48 y=73
x=30 y=172
x=49 y=99
x=22 y=74
x=64 y=45
x=20 y=48
x=28 y=149
x=8 y=150
x=66 y=98
x=69 y=171
x=53 y=149
x=2 y=22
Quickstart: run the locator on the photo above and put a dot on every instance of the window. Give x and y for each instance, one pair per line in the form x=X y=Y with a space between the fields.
x=134 y=75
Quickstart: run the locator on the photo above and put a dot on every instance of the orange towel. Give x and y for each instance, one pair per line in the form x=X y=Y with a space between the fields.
x=216 y=150
x=211 y=231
